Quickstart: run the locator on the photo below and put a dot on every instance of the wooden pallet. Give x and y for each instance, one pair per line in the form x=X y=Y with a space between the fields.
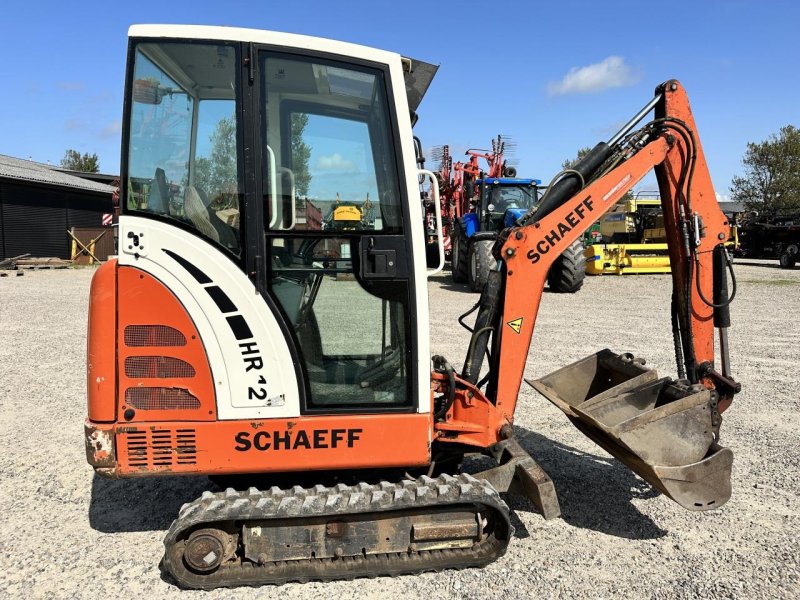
x=43 y=263
x=11 y=262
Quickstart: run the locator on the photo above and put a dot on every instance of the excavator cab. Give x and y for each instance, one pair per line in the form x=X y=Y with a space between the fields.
x=239 y=147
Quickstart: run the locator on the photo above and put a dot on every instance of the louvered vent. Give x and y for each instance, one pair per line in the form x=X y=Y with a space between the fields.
x=153 y=335
x=160 y=398
x=157 y=367
x=161 y=448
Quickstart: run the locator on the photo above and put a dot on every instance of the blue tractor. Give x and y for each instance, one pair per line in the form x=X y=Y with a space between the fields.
x=497 y=202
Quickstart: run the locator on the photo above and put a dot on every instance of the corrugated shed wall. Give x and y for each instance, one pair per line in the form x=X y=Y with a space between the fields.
x=86 y=211
x=35 y=219
x=2 y=243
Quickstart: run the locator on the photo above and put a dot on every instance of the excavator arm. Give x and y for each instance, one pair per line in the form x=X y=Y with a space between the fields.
x=696 y=231
x=666 y=430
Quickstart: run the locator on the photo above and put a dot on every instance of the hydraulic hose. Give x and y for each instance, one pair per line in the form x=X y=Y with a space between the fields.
x=441 y=363
x=569 y=185
x=485 y=326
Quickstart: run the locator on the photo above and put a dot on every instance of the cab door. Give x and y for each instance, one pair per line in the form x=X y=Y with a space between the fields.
x=335 y=226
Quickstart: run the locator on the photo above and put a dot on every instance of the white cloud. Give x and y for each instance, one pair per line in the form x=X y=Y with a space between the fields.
x=723 y=198
x=71 y=86
x=335 y=162
x=609 y=73
x=111 y=130
x=75 y=125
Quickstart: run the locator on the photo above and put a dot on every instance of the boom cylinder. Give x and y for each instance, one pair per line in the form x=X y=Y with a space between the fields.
x=485 y=325
x=566 y=187
x=570 y=184
x=722 y=312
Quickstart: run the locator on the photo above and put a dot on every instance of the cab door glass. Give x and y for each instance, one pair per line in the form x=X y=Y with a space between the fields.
x=327 y=148
x=341 y=171
x=333 y=225
x=353 y=337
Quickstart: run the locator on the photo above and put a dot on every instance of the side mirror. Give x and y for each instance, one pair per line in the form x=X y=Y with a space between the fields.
x=150 y=91
x=145 y=91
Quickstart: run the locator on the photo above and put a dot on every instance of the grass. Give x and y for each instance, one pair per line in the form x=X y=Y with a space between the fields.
x=773 y=281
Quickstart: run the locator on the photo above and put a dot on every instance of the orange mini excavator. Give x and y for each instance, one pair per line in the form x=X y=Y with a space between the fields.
x=236 y=335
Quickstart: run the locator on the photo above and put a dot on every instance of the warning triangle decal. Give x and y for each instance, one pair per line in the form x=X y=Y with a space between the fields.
x=516 y=324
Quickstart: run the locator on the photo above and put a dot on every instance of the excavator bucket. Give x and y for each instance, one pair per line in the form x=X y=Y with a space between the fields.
x=661 y=429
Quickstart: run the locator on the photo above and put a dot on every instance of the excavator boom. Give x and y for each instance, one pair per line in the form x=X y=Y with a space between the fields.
x=665 y=430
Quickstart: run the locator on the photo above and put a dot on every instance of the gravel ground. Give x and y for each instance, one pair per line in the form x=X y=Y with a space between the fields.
x=66 y=534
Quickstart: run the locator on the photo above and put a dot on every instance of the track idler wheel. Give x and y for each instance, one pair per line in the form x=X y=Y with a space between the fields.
x=206 y=549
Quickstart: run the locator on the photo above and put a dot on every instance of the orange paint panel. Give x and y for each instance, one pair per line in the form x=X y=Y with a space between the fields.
x=272 y=445
x=101 y=344
x=472 y=419
x=164 y=374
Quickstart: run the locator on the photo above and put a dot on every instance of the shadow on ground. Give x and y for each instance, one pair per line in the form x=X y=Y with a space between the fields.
x=151 y=504
x=595 y=492
x=763 y=263
x=445 y=279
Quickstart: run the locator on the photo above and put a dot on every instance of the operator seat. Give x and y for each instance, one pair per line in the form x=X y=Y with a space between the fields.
x=206 y=221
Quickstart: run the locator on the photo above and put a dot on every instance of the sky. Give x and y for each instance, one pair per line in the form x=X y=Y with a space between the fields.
x=553 y=76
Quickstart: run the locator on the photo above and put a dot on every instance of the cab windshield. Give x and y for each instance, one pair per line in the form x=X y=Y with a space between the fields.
x=504 y=197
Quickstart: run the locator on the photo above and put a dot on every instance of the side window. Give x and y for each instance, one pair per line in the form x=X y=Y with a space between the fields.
x=216 y=177
x=182 y=155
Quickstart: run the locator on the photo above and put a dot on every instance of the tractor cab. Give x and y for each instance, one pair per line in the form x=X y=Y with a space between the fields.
x=503 y=200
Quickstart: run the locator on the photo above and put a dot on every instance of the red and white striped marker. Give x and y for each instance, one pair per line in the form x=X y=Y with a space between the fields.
x=107 y=218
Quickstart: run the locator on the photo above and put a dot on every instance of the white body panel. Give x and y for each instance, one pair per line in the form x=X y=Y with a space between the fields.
x=228 y=367
x=190 y=244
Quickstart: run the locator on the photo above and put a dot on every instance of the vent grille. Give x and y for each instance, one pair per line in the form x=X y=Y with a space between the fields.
x=160 y=398
x=153 y=335
x=161 y=448
x=157 y=367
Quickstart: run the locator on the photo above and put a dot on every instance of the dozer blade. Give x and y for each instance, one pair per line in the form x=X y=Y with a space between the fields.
x=661 y=429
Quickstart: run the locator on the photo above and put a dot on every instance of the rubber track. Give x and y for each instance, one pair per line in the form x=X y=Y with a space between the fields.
x=340 y=500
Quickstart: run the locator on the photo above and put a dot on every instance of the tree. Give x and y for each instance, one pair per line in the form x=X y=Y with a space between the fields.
x=771 y=177
x=568 y=164
x=74 y=161
x=217 y=173
x=224 y=173
x=301 y=153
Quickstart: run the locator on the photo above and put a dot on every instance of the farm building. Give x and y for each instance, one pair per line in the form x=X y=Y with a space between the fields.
x=39 y=204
